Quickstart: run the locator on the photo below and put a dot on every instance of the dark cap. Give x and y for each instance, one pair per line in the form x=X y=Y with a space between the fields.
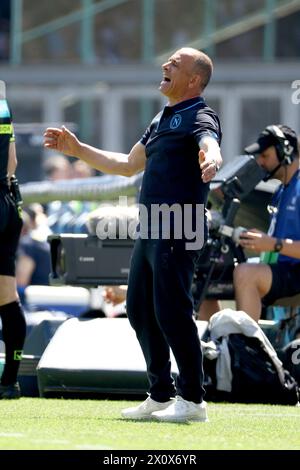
x=270 y=136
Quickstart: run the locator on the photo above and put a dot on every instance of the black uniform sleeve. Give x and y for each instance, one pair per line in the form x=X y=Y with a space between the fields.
x=146 y=135
x=207 y=123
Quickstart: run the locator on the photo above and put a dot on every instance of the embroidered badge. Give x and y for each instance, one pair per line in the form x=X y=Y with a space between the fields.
x=175 y=121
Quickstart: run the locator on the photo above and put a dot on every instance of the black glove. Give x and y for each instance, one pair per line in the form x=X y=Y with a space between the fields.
x=15 y=191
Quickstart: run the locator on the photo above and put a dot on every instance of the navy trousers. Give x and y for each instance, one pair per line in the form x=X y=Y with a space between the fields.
x=160 y=309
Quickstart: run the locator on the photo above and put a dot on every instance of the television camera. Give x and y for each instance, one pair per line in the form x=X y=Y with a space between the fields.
x=214 y=274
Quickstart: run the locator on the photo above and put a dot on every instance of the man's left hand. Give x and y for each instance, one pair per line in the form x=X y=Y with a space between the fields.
x=208 y=166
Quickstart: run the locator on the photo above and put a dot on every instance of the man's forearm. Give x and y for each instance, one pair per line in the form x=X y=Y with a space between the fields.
x=290 y=248
x=12 y=160
x=114 y=163
x=107 y=162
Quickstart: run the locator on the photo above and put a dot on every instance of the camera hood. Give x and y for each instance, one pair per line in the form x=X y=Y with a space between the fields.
x=238 y=178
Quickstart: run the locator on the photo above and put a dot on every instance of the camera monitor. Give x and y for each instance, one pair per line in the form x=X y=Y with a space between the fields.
x=84 y=260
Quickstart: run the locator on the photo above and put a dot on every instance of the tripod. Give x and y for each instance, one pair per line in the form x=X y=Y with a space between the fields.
x=221 y=251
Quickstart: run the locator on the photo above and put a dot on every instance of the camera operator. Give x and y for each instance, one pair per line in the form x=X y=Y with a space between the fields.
x=11 y=313
x=256 y=284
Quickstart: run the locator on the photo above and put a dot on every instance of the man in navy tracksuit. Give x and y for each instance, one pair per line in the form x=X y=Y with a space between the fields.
x=180 y=154
x=11 y=313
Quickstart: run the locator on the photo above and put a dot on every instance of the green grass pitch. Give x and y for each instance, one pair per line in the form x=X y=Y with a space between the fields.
x=38 y=423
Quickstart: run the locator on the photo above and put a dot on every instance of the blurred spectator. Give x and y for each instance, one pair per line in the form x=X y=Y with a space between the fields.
x=81 y=209
x=58 y=167
x=33 y=261
x=59 y=213
x=70 y=216
x=82 y=170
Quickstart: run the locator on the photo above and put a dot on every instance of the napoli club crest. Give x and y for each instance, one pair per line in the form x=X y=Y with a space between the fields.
x=175 y=121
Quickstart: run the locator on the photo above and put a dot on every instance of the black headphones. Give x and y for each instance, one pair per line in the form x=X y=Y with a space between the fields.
x=284 y=149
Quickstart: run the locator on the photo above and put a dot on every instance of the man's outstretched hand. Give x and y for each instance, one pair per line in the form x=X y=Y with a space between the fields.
x=62 y=140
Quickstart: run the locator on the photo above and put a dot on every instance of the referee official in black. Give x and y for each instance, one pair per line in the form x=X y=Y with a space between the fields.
x=180 y=154
x=11 y=313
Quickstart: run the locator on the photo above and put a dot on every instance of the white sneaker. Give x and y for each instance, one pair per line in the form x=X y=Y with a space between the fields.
x=145 y=409
x=181 y=411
